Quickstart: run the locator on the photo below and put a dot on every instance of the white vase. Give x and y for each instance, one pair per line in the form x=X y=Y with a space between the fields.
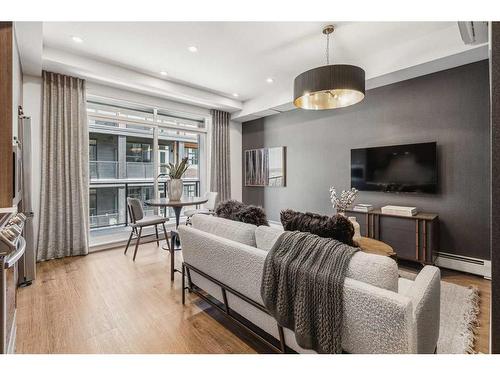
x=175 y=189
x=357 y=228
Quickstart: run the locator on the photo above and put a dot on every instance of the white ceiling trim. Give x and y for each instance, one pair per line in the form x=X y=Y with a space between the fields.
x=99 y=72
x=282 y=100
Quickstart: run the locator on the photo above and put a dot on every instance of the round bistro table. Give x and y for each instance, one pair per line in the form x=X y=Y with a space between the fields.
x=177 y=207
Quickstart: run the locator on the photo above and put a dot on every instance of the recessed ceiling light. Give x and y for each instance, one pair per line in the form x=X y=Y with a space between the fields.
x=192 y=49
x=163 y=73
x=236 y=95
x=77 y=39
x=269 y=80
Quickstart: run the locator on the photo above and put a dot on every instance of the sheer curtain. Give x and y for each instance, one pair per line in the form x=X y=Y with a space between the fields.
x=220 y=176
x=64 y=206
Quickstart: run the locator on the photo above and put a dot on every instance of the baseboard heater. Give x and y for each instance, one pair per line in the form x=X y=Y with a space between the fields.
x=462 y=263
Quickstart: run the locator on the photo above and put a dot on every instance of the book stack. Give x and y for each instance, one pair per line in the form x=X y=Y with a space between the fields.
x=362 y=207
x=399 y=210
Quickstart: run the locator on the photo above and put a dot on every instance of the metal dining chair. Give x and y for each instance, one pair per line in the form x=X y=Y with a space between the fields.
x=138 y=221
x=208 y=209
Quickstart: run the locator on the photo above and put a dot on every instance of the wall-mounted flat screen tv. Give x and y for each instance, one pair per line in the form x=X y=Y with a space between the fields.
x=403 y=168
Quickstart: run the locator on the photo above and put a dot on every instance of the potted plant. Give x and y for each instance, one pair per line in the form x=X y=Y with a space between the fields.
x=175 y=186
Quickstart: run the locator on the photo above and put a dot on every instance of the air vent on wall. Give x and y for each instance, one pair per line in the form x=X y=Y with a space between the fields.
x=462 y=263
x=473 y=32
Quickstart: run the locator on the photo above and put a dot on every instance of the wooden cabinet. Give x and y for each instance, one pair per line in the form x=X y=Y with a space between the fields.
x=6 y=113
x=413 y=238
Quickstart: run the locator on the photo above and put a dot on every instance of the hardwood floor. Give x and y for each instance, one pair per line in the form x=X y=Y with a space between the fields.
x=105 y=303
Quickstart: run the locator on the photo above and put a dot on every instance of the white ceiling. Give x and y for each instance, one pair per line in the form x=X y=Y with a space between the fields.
x=237 y=57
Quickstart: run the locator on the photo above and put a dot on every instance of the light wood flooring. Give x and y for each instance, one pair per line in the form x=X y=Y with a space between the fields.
x=105 y=303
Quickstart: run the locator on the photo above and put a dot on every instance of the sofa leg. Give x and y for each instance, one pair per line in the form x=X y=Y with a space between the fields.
x=190 y=283
x=183 y=284
x=436 y=349
x=282 y=339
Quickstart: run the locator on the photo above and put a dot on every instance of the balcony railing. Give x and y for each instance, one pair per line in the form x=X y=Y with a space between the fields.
x=105 y=220
x=101 y=170
x=138 y=170
x=111 y=170
x=120 y=215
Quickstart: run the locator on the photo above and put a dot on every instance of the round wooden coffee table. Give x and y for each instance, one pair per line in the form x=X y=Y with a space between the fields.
x=372 y=246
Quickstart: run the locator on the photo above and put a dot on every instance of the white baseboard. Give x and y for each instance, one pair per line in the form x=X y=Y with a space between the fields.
x=462 y=263
x=121 y=243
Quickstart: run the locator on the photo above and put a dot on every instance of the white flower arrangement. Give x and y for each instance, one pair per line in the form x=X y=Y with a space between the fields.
x=346 y=199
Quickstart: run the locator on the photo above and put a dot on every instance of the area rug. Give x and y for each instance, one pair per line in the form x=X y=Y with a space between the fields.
x=459 y=317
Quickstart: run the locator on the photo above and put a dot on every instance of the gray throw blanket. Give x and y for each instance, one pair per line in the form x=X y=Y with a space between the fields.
x=302 y=288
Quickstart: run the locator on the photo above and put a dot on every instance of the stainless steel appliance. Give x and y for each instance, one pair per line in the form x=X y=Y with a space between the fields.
x=17 y=249
x=12 y=248
x=27 y=265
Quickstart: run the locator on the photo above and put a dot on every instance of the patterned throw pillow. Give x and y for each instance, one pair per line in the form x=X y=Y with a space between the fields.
x=338 y=227
x=238 y=211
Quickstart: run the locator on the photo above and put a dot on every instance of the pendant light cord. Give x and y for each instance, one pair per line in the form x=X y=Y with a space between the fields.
x=327 y=49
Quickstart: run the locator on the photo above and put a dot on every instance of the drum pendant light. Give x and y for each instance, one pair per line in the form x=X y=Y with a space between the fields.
x=329 y=86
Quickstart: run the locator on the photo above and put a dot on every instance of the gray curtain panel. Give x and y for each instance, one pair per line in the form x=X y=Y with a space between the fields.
x=64 y=206
x=220 y=174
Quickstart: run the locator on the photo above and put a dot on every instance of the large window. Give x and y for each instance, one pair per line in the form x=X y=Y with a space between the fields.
x=126 y=145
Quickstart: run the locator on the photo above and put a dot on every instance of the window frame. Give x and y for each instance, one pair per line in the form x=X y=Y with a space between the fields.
x=153 y=123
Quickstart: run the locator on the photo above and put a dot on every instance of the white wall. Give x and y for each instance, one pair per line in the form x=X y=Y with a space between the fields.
x=32 y=105
x=235 y=147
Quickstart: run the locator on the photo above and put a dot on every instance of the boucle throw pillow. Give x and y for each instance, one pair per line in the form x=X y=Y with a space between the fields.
x=238 y=211
x=337 y=227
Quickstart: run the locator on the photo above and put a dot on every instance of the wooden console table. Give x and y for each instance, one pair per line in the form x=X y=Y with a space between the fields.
x=414 y=238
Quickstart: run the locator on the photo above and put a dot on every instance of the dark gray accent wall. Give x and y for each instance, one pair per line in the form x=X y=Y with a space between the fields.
x=450 y=107
x=495 y=188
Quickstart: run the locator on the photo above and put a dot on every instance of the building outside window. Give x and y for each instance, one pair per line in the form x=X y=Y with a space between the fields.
x=192 y=155
x=92 y=149
x=103 y=156
x=92 y=202
x=123 y=155
x=103 y=205
x=138 y=152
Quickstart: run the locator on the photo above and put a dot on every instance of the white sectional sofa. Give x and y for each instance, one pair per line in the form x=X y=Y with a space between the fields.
x=380 y=316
